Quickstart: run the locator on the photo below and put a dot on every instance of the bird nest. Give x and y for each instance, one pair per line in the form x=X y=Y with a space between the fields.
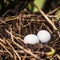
x=14 y=29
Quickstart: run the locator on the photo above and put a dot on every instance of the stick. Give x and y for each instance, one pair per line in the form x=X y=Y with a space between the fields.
x=54 y=27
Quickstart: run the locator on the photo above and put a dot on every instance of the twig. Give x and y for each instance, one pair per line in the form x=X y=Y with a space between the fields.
x=58 y=56
x=1 y=40
x=27 y=51
x=13 y=50
x=46 y=17
x=6 y=49
x=15 y=56
x=51 y=12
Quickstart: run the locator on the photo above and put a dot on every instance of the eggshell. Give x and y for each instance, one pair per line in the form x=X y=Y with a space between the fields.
x=31 y=39
x=44 y=36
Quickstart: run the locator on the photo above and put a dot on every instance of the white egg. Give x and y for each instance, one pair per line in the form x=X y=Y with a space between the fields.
x=31 y=39
x=44 y=36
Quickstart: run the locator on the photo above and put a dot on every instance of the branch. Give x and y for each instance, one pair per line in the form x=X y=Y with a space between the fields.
x=54 y=27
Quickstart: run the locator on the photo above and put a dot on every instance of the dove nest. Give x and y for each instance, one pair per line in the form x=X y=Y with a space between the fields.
x=12 y=32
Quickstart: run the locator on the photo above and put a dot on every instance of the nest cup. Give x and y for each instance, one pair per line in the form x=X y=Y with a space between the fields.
x=32 y=23
x=29 y=23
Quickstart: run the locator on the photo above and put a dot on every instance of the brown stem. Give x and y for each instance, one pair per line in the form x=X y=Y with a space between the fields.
x=54 y=27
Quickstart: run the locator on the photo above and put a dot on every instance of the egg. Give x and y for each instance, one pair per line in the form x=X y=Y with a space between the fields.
x=31 y=39
x=44 y=36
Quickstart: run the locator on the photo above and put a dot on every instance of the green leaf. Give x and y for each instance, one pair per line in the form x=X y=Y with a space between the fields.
x=58 y=12
x=39 y=3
